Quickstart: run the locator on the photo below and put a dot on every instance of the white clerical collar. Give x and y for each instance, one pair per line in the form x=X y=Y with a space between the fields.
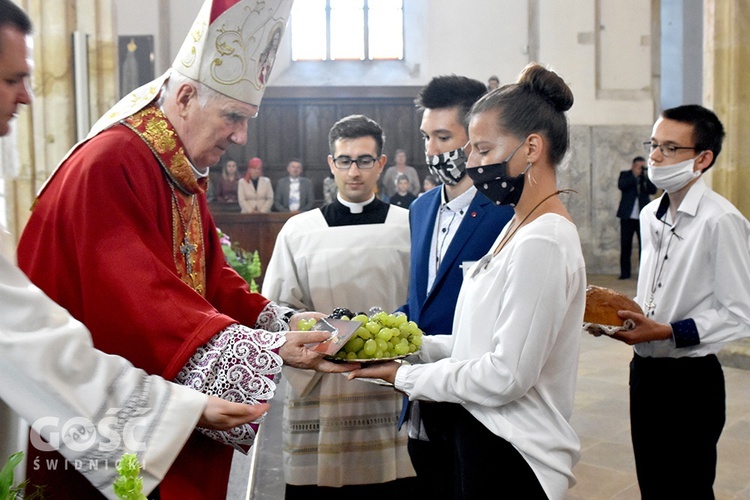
x=355 y=208
x=198 y=174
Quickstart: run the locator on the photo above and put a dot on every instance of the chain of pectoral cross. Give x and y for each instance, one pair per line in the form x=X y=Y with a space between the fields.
x=658 y=269
x=186 y=248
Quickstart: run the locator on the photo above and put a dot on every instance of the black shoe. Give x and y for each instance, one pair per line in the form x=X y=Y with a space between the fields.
x=623 y=277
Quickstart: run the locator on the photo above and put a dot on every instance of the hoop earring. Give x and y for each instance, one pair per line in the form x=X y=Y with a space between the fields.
x=531 y=174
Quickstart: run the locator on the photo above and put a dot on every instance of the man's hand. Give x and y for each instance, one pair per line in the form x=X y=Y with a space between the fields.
x=645 y=329
x=222 y=415
x=384 y=371
x=295 y=352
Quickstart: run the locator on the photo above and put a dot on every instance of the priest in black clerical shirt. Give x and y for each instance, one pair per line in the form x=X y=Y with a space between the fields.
x=353 y=253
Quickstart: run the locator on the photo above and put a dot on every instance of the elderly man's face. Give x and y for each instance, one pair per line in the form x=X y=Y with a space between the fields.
x=210 y=129
x=15 y=70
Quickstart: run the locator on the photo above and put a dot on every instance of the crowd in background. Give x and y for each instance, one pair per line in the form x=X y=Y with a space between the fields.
x=247 y=190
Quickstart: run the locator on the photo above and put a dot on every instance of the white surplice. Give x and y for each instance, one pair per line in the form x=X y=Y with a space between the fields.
x=336 y=431
x=54 y=379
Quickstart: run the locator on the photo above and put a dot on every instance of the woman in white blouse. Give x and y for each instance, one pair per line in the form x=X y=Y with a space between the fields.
x=254 y=192
x=500 y=388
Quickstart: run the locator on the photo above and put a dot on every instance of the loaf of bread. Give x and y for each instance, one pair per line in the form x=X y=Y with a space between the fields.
x=602 y=305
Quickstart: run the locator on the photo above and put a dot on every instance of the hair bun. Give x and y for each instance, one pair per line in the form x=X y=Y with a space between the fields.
x=548 y=85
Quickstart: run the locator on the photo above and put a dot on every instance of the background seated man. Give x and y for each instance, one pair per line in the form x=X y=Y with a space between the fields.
x=294 y=193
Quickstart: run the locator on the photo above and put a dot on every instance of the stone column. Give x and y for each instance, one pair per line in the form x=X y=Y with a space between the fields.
x=726 y=83
x=46 y=129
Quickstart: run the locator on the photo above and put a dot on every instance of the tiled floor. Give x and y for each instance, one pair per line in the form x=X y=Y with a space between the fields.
x=606 y=469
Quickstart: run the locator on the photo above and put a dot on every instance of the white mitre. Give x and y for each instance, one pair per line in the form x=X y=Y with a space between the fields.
x=231 y=48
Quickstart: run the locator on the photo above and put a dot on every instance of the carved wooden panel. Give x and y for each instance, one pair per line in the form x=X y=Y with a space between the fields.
x=294 y=122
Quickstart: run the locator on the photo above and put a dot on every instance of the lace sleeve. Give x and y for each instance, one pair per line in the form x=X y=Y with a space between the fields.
x=275 y=318
x=238 y=364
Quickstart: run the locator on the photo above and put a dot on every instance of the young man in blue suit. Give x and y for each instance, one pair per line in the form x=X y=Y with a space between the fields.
x=451 y=226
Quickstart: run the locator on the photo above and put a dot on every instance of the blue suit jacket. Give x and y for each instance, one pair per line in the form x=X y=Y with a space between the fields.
x=433 y=311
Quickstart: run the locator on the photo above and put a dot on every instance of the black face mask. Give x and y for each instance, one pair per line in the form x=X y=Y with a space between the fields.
x=448 y=167
x=494 y=182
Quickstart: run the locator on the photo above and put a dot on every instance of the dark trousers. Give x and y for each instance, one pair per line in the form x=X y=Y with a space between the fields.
x=434 y=463
x=677 y=413
x=628 y=228
x=464 y=460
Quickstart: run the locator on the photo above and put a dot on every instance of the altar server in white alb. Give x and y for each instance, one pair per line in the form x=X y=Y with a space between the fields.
x=351 y=253
x=694 y=287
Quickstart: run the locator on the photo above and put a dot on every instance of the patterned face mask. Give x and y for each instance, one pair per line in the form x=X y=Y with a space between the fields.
x=494 y=182
x=448 y=167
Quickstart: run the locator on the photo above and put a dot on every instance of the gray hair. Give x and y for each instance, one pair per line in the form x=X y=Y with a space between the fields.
x=205 y=94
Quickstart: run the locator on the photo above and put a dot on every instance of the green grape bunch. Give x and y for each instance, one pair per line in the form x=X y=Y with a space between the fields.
x=381 y=336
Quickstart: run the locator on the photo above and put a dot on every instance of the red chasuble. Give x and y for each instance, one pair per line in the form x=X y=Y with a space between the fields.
x=106 y=241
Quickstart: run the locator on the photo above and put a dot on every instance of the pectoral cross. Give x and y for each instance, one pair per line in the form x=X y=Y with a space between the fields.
x=650 y=306
x=186 y=249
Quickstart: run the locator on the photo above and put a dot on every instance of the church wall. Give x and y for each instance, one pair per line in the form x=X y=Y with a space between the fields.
x=602 y=49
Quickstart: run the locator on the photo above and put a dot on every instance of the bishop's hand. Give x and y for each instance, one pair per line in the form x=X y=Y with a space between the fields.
x=295 y=352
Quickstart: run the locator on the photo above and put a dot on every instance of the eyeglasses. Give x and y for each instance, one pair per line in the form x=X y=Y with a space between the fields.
x=364 y=162
x=667 y=151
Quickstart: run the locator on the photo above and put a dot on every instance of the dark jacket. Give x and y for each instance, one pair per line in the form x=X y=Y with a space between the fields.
x=633 y=188
x=281 y=195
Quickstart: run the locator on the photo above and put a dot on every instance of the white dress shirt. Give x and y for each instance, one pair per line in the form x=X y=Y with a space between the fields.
x=294 y=196
x=447 y=220
x=706 y=278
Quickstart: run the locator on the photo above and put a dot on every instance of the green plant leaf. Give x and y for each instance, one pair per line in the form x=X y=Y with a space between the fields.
x=6 y=475
x=247 y=264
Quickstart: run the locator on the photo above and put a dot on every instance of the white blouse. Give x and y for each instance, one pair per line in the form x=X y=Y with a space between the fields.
x=512 y=358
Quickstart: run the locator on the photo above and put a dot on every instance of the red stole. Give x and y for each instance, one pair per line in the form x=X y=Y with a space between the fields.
x=188 y=248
